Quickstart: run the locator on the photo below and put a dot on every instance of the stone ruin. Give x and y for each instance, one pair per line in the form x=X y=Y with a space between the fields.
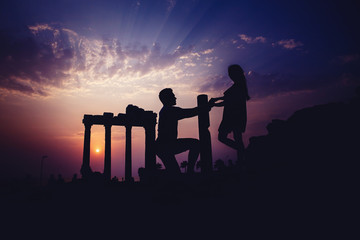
x=138 y=117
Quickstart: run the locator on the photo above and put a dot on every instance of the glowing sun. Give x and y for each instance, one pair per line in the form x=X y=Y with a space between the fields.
x=97 y=150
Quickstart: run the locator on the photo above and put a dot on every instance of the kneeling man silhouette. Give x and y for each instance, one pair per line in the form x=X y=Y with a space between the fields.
x=168 y=144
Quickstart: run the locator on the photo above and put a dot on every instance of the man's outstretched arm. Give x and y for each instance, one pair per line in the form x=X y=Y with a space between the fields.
x=182 y=113
x=191 y=112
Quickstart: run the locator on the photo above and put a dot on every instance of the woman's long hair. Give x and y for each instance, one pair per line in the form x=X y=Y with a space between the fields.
x=236 y=73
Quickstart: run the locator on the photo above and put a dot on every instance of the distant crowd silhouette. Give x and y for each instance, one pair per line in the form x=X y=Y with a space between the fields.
x=234 y=121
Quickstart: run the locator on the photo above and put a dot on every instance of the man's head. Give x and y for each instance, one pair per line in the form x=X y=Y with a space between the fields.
x=167 y=97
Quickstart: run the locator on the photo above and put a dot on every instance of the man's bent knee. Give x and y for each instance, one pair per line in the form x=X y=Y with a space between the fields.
x=169 y=162
x=194 y=144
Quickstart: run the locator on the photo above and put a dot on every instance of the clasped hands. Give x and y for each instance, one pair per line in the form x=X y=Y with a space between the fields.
x=213 y=102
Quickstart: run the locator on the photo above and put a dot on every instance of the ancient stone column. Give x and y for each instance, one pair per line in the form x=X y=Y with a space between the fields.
x=107 y=159
x=150 y=154
x=85 y=168
x=204 y=134
x=107 y=121
x=128 y=175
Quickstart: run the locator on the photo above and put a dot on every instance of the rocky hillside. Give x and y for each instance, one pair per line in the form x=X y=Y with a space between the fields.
x=315 y=143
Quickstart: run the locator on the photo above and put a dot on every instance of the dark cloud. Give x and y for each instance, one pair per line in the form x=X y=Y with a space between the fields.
x=13 y=84
x=28 y=62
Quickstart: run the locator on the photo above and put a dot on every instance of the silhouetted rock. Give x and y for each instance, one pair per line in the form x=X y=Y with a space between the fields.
x=316 y=144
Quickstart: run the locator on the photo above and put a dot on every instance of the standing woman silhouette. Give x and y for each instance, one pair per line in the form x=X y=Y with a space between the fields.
x=234 y=113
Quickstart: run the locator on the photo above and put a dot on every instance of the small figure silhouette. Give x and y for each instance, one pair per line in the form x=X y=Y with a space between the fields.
x=74 y=178
x=168 y=144
x=234 y=113
x=60 y=179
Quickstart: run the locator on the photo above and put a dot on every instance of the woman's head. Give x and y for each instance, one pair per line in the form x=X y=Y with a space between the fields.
x=236 y=73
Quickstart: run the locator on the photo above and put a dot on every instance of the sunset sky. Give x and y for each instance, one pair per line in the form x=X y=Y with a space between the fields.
x=62 y=59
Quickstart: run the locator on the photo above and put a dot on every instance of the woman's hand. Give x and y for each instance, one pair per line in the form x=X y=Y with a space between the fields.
x=213 y=101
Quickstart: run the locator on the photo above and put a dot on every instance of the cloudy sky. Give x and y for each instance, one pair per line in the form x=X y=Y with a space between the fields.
x=62 y=59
